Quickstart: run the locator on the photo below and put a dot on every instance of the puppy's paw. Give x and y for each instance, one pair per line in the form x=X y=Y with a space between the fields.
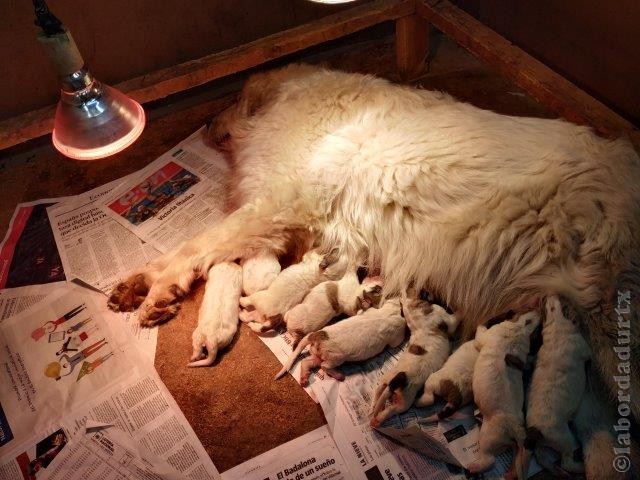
x=129 y=294
x=205 y=347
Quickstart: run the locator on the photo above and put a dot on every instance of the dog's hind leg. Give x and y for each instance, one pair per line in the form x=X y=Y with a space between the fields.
x=259 y=226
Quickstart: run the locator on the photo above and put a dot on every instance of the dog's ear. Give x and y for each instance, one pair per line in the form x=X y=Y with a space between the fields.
x=362 y=272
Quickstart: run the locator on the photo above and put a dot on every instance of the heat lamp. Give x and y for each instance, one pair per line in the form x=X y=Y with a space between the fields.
x=92 y=120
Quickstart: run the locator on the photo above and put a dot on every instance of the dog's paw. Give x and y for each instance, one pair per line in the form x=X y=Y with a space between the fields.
x=161 y=305
x=205 y=347
x=129 y=295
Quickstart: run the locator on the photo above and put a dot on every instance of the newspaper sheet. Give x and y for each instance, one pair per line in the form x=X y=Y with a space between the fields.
x=93 y=247
x=175 y=197
x=62 y=366
x=313 y=456
x=28 y=254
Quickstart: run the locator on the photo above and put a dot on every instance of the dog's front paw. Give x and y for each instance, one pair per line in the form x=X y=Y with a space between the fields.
x=161 y=305
x=128 y=295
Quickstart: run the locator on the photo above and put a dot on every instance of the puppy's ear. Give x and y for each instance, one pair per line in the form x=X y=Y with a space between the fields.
x=362 y=272
x=330 y=258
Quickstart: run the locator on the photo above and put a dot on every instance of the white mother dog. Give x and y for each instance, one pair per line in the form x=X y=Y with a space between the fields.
x=489 y=212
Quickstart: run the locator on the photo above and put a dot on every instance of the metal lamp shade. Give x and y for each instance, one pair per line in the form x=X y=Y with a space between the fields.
x=93 y=120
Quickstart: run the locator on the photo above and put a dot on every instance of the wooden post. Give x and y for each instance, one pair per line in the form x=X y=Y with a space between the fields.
x=412 y=45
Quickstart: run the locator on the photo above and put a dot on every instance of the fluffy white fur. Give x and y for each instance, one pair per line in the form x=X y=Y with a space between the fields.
x=288 y=289
x=453 y=382
x=329 y=299
x=498 y=389
x=218 y=317
x=259 y=272
x=557 y=386
x=353 y=339
x=427 y=351
x=492 y=212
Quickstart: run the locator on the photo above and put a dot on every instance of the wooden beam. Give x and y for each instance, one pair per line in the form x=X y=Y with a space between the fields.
x=412 y=45
x=545 y=85
x=165 y=82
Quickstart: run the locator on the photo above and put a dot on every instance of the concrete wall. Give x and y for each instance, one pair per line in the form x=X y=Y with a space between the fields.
x=594 y=43
x=121 y=39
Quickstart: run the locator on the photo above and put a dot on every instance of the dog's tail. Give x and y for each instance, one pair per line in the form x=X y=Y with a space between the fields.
x=525 y=452
x=294 y=355
x=212 y=352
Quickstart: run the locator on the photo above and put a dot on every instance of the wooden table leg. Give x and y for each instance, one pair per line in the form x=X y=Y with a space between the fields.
x=412 y=45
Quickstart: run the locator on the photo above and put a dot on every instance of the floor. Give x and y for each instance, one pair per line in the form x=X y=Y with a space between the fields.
x=235 y=407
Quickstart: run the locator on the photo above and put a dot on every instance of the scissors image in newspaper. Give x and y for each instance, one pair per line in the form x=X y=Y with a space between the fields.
x=72 y=344
x=52 y=325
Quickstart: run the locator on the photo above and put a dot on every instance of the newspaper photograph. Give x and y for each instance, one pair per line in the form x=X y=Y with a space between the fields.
x=313 y=456
x=93 y=247
x=28 y=254
x=174 y=198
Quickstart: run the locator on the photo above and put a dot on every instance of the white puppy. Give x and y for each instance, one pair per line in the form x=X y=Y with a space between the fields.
x=218 y=317
x=498 y=388
x=428 y=349
x=267 y=307
x=453 y=382
x=557 y=386
x=329 y=299
x=259 y=272
x=351 y=340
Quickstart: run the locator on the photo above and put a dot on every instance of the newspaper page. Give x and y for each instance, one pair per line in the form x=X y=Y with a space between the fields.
x=106 y=453
x=313 y=456
x=60 y=360
x=93 y=247
x=175 y=197
x=28 y=254
x=16 y=300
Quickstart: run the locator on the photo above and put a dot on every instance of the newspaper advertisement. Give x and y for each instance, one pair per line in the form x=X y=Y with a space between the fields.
x=28 y=255
x=93 y=247
x=313 y=456
x=175 y=197
x=62 y=366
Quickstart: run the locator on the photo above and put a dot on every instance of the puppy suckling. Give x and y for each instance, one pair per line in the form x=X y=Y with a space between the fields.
x=218 y=317
x=557 y=386
x=265 y=309
x=498 y=388
x=428 y=349
x=353 y=339
x=329 y=299
x=259 y=272
x=453 y=382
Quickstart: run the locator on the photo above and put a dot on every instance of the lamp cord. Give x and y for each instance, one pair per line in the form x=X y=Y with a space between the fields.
x=46 y=20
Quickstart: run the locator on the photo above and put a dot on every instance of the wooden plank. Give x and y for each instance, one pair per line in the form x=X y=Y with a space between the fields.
x=167 y=81
x=545 y=85
x=412 y=45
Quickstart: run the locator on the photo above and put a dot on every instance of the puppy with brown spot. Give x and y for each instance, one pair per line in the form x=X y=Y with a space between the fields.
x=498 y=389
x=265 y=309
x=349 y=295
x=428 y=349
x=453 y=382
x=557 y=386
x=353 y=339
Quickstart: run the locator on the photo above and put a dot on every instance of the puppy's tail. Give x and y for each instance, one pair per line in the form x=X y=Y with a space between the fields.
x=212 y=352
x=292 y=358
x=525 y=451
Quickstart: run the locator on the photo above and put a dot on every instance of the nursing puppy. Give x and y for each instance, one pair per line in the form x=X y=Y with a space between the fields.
x=353 y=339
x=453 y=382
x=493 y=212
x=329 y=299
x=557 y=386
x=428 y=349
x=265 y=309
x=498 y=388
x=218 y=318
x=259 y=272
